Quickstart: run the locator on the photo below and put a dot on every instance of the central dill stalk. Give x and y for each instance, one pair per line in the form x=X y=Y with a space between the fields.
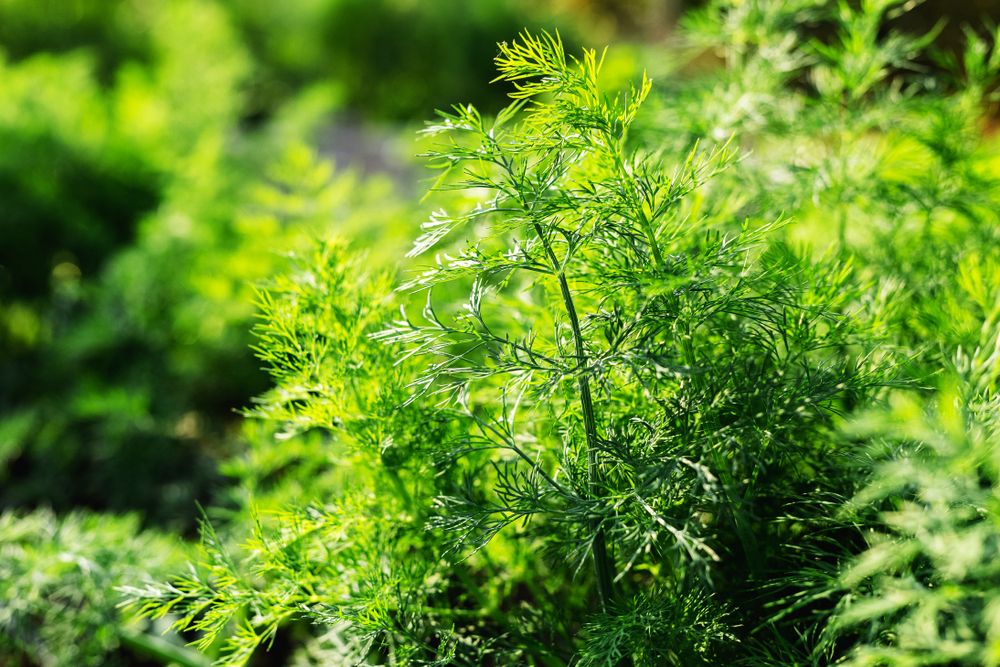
x=602 y=562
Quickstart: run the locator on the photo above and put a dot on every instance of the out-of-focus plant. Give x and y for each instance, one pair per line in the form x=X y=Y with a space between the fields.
x=57 y=584
x=72 y=187
x=388 y=59
x=157 y=355
x=88 y=158
x=923 y=590
x=85 y=160
x=112 y=30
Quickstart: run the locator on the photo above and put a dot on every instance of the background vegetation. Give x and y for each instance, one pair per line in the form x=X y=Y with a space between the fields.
x=699 y=368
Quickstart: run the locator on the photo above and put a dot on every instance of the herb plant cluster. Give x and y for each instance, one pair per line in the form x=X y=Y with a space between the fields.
x=698 y=371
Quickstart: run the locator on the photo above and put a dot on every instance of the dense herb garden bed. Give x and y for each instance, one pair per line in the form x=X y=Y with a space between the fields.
x=697 y=370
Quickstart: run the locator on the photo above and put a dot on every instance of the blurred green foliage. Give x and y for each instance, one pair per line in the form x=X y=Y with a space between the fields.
x=924 y=590
x=57 y=582
x=138 y=216
x=387 y=59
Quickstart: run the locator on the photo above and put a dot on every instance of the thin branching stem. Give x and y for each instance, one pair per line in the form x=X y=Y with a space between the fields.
x=602 y=562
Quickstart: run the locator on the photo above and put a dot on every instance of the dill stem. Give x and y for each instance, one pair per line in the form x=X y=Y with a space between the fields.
x=647 y=229
x=161 y=650
x=602 y=562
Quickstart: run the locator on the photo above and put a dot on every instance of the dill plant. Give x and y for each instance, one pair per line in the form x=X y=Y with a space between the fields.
x=583 y=448
x=876 y=142
x=690 y=318
x=923 y=590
